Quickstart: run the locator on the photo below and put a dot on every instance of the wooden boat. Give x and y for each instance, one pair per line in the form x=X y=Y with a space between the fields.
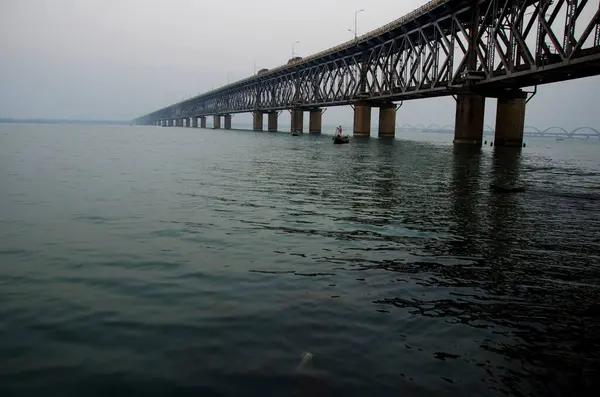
x=341 y=140
x=296 y=133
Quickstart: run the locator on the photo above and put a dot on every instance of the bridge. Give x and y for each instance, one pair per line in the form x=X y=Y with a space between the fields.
x=470 y=49
x=552 y=132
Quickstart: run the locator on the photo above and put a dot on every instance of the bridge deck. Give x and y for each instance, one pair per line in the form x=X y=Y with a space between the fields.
x=444 y=47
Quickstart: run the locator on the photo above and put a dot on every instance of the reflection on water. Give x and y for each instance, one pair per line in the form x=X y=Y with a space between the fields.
x=139 y=260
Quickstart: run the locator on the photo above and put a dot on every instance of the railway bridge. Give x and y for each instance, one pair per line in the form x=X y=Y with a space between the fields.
x=469 y=49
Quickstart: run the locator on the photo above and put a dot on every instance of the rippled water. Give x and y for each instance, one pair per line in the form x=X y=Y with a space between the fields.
x=166 y=261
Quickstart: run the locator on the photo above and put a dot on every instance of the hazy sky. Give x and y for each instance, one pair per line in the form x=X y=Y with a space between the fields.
x=119 y=59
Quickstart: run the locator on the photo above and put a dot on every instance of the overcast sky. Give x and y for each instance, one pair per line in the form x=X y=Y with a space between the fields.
x=119 y=59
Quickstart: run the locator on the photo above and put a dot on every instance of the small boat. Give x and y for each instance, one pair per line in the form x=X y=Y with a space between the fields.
x=340 y=140
x=296 y=133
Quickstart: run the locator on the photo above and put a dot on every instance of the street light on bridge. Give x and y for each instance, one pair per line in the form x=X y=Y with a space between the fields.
x=355 y=31
x=293 y=44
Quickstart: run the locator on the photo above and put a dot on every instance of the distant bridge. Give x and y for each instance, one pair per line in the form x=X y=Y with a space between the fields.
x=470 y=49
x=558 y=132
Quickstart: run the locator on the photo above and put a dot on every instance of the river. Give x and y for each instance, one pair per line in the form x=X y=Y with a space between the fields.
x=142 y=260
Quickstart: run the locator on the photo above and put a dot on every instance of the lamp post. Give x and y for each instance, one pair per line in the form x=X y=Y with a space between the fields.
x=355 y=31
x=293 y=44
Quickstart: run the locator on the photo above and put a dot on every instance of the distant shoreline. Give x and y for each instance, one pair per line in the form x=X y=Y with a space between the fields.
x=63 y=121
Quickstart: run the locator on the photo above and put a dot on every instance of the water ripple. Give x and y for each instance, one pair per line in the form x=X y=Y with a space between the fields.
x=195 y=262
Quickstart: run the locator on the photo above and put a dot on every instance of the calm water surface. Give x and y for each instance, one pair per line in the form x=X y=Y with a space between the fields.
x=166 y=261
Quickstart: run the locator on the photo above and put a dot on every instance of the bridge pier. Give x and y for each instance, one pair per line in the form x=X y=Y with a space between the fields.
x=194 y=122
x=314 y=121
x=216 y=121
x=470 y=110
x=227 y=121
x=180 y=122
x=362 y=119
x=202 y=121
x=297 y=120
x=257 y=121
x=510 y=119
x=272 y=121
x=387 y=120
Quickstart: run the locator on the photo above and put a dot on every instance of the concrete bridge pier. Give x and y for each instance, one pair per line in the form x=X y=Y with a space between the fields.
x=362 y=119
x=180 y=122
x=257 y=121
x=216 y=121
x=510 y=119
x=227 y=120
x=470 y=110
x=297 y=120
x=387 y=120
x=314 y=121
x=202 y=121
x=272 y=121
x=194 y=122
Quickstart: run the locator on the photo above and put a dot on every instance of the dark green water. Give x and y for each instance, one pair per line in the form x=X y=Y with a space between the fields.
x=164 y=261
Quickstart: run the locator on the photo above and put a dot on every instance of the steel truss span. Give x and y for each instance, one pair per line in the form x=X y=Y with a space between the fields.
x=445 y=47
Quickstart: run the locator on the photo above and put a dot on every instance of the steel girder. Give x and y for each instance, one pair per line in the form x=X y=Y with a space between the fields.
x=486 y=46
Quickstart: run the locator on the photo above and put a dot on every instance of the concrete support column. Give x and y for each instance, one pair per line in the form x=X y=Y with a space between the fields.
x=297 y=120
x=227 y=119
x=510 y=119
x=362 y=119
x=257 y=121
x=180 y=122
x=202 y=121
x=314 y=121
x=194 y=122
x=387 y=120
x=470 y=109
x=272 y=121
x=216 y=121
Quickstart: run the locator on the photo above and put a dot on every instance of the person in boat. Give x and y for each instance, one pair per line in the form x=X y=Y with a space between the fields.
x=338 y=131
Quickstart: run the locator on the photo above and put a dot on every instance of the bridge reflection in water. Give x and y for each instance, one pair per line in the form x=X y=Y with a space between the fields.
x=503 y=268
